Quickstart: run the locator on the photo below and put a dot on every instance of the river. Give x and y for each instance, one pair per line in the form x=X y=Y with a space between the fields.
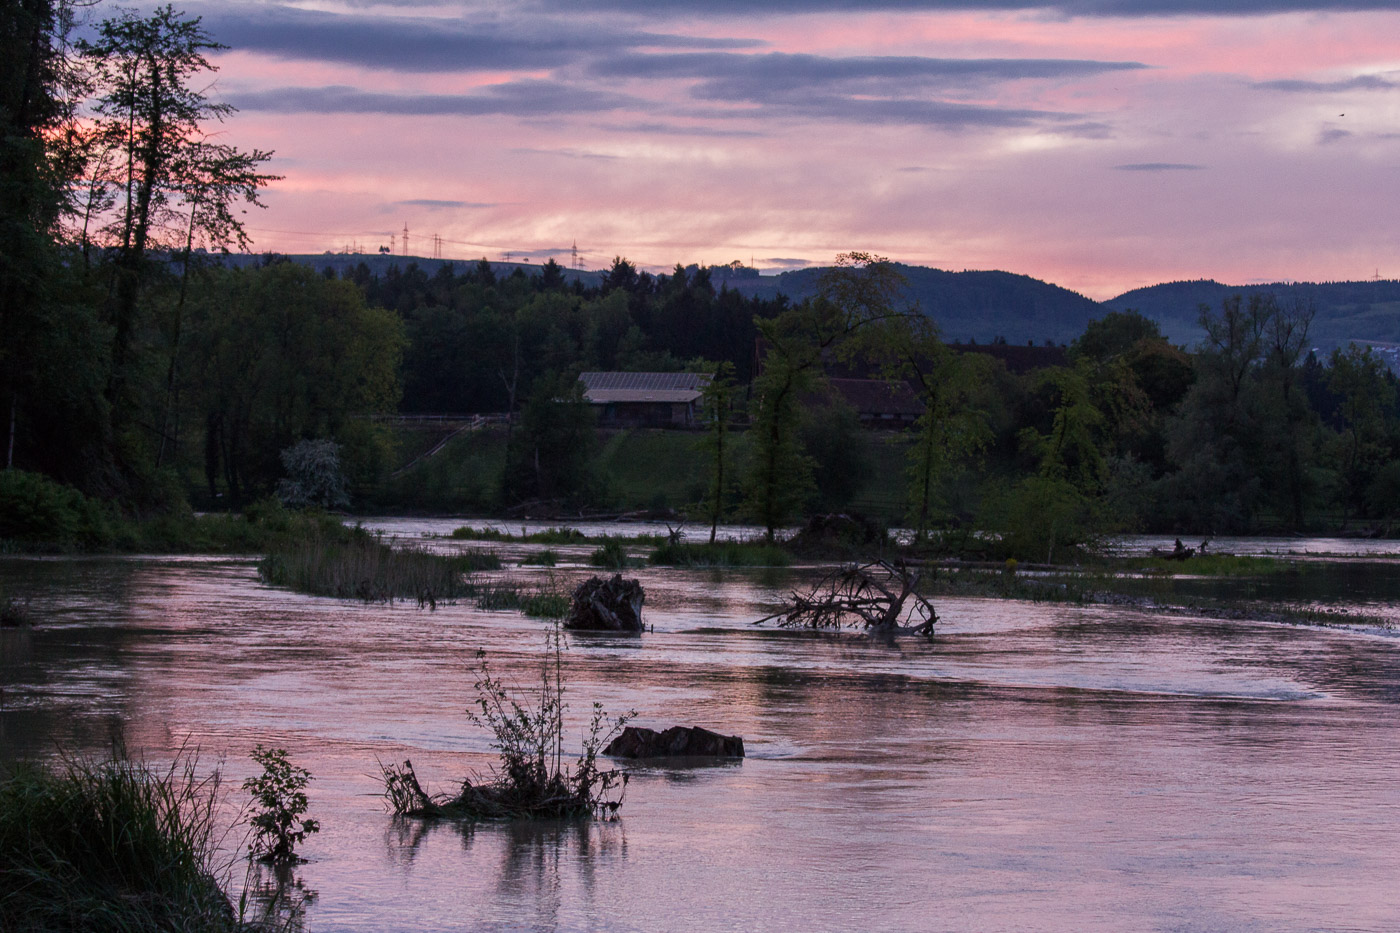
x=1037 y=767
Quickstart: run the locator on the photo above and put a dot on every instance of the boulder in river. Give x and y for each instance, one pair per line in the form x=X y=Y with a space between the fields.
x=675 y=742
x=606 y=606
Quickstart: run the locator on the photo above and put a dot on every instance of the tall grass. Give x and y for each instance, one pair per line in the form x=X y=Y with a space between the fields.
x=366 y=568
x=720 y=554
x=545 y=601
x=611 y=554
x=110 y=846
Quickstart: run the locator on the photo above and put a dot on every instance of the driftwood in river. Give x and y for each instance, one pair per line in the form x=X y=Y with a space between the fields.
x=880 y=595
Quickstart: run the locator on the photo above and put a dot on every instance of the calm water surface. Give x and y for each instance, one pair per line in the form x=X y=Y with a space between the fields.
x=1036 y=768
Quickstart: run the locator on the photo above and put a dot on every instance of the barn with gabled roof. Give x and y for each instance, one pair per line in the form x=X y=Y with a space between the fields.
x=655 y=400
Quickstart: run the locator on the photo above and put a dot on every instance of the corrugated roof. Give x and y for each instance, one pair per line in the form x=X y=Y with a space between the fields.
x=601 y=388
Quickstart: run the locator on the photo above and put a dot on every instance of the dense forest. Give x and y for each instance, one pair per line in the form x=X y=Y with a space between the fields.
x=139 y=370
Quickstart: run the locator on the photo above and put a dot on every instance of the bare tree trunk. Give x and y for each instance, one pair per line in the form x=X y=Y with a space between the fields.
x=10 y=451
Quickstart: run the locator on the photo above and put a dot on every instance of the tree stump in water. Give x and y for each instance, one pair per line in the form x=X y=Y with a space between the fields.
x=606 y=606
x=677 y=741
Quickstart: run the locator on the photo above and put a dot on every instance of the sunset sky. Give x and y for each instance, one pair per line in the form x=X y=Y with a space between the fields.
x=1098 y=144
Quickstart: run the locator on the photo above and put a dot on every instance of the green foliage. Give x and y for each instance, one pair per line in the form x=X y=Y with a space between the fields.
x=279 y=807
x=1209 y=565
x=35 y=510
x=364 y=567
x=550 y=456
x=468 y=533
x=313 y=476
x=611 y=554
x=545 y=558
x=110 y=845
x=839 y=448
x=533 y=781
x=716 y=404
x=277 y=354
x=1042 y=519
x=720 y=554
x=1115 y=334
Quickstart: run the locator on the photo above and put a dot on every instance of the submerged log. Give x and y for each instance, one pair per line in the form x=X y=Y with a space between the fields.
x=675 y=742
x=600 y=605
x=882 y=596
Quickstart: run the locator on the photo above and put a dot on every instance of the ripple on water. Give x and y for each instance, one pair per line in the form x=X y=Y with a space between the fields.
x=1035 y=767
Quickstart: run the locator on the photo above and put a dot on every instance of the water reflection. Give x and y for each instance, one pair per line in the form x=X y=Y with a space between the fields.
x=1051 y=767
x=530 y=867
x=275 y=897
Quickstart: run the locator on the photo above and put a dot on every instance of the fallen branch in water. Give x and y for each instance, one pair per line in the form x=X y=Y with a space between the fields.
x=880 y=595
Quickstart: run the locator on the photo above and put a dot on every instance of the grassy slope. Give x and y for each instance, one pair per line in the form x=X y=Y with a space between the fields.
x=637 y=469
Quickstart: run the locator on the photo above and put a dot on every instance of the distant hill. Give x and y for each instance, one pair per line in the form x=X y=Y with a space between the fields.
x=978 y=306
x=1347 y=312
x=983 y=306
x=380 y=263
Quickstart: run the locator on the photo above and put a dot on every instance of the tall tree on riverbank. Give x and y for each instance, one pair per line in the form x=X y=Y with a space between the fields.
x=857 y=306
x=717 y=398
x=167 y=182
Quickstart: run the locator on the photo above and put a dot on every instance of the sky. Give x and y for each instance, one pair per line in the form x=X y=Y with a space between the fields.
x=1102 y=145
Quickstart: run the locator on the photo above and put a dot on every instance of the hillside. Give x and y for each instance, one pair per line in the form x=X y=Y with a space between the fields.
x=1347 y=312
x=982 y=306
x=979 y=306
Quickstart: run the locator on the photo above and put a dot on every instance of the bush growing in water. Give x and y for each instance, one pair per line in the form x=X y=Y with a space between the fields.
x=611 y=555
x=111 y=845
x=533 y=780
x=279 y=796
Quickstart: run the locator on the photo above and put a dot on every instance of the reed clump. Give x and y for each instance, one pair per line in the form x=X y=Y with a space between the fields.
x=112 y=845
x=719 y=554
x=611 y=554
x=544 y=601
x=534 y=780
x=365 y=567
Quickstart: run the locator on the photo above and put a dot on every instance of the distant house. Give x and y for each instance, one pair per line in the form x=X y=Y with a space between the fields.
x=880 y=404
x=654 y=400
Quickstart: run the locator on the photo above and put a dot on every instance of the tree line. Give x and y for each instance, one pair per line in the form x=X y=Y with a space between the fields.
x=137 y=367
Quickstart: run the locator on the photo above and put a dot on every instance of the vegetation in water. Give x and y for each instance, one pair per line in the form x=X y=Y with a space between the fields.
x=720 y=554
x=111 y=845
x=534 y=780
x=365 y=567
x=546 y=558
x=279 y=819
x=611 y=555
x=541 y=601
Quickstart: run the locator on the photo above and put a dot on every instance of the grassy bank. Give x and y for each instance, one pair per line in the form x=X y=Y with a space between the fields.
x=38 y=515
x=110 y=846
x=637 y=470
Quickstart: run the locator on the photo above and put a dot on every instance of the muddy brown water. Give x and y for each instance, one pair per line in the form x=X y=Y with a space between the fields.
x=1037 y=767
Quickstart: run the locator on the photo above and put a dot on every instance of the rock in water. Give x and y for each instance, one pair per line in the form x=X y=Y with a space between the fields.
x=607 y=606
x=675 y=742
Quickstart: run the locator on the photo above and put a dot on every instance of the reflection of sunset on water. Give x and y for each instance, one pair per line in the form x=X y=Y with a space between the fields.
x=1091 y=768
